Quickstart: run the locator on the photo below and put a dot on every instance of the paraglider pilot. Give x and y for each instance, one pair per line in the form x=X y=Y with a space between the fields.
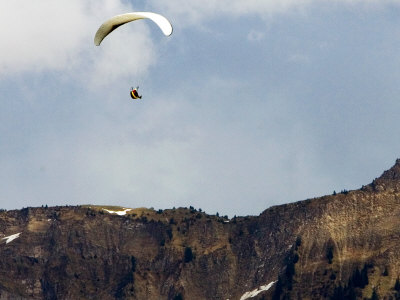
x=135 y=94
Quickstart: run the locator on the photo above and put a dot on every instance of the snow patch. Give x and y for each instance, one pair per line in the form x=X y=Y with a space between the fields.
x=255 y=292
x=120 y=213
x=11 y=237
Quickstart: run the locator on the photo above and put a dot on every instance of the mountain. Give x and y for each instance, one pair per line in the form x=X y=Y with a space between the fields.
x=341 y=246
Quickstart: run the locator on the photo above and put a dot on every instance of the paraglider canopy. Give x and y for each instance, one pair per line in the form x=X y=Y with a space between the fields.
x=111 y=24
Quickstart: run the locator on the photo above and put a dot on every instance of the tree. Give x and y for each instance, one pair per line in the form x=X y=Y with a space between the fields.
x=364 y=276
x=385 y=272
x=178 y=297
x=188 y=255
x=397 y=285
x=278 y=289
x=133 y=264
x=329 y=254
x=356 y=280
x=298 y=242
x=351 y=293
x=338 y=293
x=295 y=258
x=290 y=271
x=374 y=295
x=347 y=292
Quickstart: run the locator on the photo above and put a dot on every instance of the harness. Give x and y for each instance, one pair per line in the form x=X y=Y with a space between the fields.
x=134 y=94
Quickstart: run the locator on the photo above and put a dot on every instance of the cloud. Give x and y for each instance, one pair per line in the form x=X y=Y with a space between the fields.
x=198 y=11
x=47 y=36
x=195 y=11
x=121 y=56
x=255 y=36
x=135 y=159
x=299 y=58
x=42 y=36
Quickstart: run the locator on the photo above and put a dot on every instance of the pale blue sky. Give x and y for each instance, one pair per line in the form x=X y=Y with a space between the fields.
x=248 y=104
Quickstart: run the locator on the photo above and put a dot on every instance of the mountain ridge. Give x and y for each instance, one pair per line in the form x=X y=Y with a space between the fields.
x=310 y=249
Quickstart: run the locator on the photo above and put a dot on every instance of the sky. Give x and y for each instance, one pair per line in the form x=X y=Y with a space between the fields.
x=247 y=105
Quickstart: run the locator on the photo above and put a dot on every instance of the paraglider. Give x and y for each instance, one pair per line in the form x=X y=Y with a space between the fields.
x=113 y=23
x=135 y=94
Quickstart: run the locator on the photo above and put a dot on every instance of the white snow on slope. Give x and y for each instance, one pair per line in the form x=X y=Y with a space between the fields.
x=120 y=213
x=255 y=292
x=11 y=237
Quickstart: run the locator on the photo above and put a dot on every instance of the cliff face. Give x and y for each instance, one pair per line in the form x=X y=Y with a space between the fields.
x=334 y=247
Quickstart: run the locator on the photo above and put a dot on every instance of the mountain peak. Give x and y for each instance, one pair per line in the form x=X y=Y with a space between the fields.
x=393 y=173
x=389 y=178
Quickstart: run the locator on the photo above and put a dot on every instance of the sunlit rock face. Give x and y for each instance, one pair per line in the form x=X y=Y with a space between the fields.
x=333 y=247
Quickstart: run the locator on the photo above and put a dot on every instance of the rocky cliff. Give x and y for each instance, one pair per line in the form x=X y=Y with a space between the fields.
x=342 y=246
